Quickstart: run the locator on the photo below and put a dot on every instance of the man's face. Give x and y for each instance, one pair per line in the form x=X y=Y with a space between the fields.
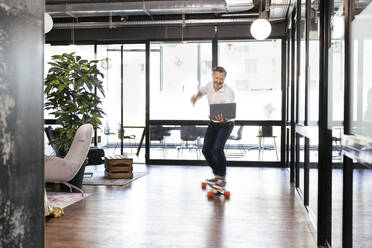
x=218 y=79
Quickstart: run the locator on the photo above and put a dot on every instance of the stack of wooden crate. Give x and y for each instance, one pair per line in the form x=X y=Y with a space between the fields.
x=118 y=167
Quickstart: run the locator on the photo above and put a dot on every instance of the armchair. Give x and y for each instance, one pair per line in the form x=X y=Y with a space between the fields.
x=62 y=170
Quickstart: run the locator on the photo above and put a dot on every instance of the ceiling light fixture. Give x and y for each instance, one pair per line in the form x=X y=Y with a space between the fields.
x=48 y=23
x=261 y=27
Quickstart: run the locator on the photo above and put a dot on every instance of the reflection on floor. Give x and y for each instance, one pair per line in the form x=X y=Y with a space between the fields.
x=168 y=208
x=362 y=205
x=362 y=208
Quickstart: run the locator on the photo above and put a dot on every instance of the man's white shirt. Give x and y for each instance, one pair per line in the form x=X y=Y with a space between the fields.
x=223 y=95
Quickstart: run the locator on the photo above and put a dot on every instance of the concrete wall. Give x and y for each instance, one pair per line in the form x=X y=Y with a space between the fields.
x=21 y=123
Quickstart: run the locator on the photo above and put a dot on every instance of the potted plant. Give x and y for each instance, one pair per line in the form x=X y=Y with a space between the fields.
x=69 y=90
x=70 y=96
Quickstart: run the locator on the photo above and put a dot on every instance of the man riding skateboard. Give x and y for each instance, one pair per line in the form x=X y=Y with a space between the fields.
x=219 y=128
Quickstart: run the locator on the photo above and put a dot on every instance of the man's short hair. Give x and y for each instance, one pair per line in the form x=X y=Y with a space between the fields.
x=220 y=69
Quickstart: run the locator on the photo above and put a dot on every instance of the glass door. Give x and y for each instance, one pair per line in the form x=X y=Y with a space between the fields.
x=336 y=71
x=361 y=121
x=123 y=67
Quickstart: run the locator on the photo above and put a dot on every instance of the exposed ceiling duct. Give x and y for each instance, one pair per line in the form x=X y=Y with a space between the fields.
x=71 y=8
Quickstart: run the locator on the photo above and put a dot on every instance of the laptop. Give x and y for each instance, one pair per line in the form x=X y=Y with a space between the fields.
x=228 y=110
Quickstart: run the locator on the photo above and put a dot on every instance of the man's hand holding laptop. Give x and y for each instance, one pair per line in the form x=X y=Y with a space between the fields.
x=220 y=118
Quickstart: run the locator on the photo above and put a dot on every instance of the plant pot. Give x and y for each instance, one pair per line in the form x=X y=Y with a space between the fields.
x=78 y=178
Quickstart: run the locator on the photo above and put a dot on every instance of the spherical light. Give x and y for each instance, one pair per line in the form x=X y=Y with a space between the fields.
x=48 y=23
x=260 y=29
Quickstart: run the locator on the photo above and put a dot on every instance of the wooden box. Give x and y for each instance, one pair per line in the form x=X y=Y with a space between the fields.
x=118 y=167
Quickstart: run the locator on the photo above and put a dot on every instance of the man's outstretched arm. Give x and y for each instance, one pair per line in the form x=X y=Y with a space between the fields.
x=195 y=97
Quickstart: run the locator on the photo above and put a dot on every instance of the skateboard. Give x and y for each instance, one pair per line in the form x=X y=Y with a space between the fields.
x=215 y=190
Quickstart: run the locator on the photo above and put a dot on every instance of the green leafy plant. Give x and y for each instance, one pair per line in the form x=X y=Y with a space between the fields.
x=69 y=90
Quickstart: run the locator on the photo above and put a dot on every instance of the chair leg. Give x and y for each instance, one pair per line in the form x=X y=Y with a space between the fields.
x=276 y=149
x=74 y=187
x=116 y=145
x=164 y=147
x=259 y=148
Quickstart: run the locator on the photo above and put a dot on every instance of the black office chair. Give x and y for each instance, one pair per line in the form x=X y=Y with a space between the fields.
x=237 y=138
x=158 y=133
x=189 y=139
x=50 y=133
x=96 y=156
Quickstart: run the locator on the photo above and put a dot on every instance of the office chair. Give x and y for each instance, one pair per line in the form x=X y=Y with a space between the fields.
x=189 y=134
x=265 y=132
x=158 y=133
x=241 y=147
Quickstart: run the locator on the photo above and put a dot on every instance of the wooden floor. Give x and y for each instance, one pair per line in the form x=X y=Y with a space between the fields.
x=168 y=208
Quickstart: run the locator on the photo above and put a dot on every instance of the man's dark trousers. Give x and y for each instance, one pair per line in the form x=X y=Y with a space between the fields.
x=214 y=143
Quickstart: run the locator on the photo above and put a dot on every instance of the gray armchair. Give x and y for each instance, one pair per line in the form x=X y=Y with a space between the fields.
x=62 y=170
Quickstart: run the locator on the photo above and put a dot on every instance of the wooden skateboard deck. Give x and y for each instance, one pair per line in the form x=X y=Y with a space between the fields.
x=214 y=190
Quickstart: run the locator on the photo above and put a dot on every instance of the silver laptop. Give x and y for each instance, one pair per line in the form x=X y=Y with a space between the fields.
x=228 y=110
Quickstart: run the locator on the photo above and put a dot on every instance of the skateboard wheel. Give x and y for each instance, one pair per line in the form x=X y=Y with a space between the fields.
x=210 y=194
x=227 y=194
x=204 y=185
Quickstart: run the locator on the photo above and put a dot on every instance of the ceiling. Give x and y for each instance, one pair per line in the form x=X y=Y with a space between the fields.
x=117 y=13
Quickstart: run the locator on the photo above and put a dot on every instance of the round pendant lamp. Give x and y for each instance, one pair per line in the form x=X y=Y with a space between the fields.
x=48 y=23
x=261 y=29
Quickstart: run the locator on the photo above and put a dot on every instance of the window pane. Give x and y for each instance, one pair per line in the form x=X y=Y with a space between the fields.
x=85 y=51
x=302 y=68
x=185 y=142
x=134 y=95
x=177 y=71
x=361 y=110
x=110 y=66
x=336 y=61
x=336 y=58
x=361 y=65
x=313 y=107
x=254 y=73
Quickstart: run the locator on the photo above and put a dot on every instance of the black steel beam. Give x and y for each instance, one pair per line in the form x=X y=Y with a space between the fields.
x=297 y=161
x=157 y=33
x=147 y=113
x=95 y=92
x=203 y=163
x=283 y=82
x=292 y=119
x=214 y=52
x=206 y=122
x=121 y=101
x=324 y=223
x=306 y=172
x=347 y=191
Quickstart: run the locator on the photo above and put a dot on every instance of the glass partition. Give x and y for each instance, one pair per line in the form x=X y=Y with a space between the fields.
x=254 y=73
x=361 y=64
x=301 y=163
x=302 y=67
x=177 y=71
x=313 y=107
x=361 y=112
x=313 y=177
x=185 y=142
x=133 y=84
x=336 y=70
x=110 y=66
